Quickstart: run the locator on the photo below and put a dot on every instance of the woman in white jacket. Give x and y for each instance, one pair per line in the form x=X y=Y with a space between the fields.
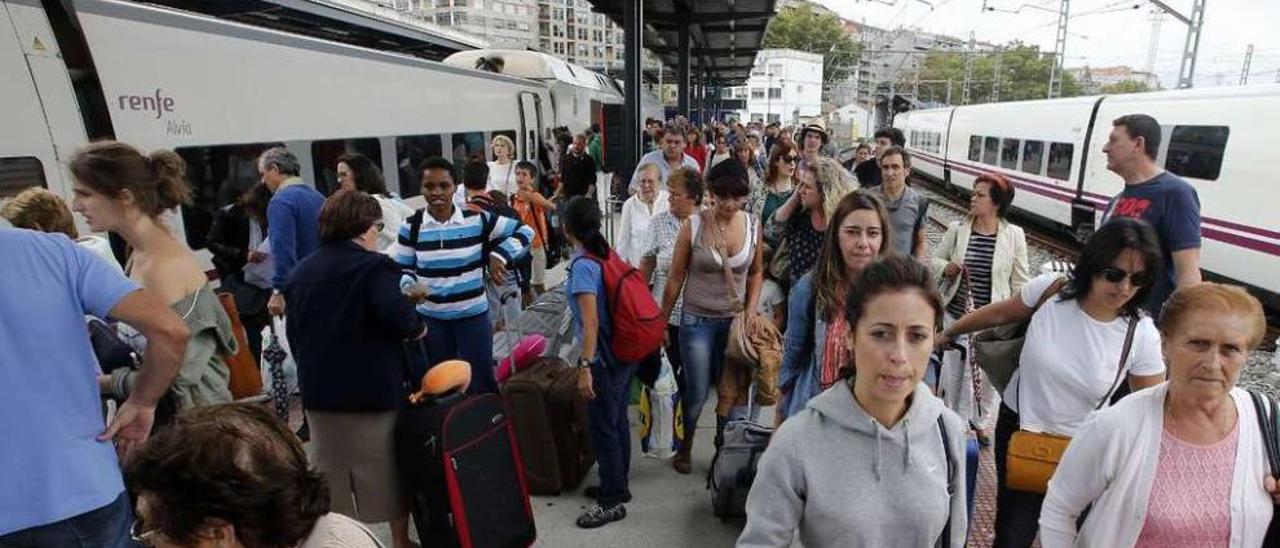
x=1182 y=464
x=637 y=211
x=985 y=258
x=359 y=173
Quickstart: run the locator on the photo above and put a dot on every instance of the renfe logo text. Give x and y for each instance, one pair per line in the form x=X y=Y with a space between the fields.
x=147 y=103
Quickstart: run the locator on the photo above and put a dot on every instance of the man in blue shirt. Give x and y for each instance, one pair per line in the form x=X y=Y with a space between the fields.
x=1163 y=199
x=293 y=215
x=61 y=478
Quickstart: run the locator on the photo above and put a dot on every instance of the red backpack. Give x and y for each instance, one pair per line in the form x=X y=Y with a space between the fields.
x=638 y=325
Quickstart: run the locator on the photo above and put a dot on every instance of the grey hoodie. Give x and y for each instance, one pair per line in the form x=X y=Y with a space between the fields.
x=842 y=479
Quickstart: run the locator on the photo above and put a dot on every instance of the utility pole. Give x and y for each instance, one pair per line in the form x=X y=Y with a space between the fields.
x=1190 y=48
x=1153 y=43
x=1059 y=51
x=1244 y=72
x=948 y=91
x=995 y=77
x=968 y=71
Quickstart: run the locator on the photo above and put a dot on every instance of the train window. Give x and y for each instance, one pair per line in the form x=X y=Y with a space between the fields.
x=975 y=148
x=218 y=175
x=19 y=174
x=510 y=134
x=410 y=152
x=1196 y=151
x=990 y=150
x=1032 y=156
x=1009 y=153
x=1060 y=160
x=325 y=154
x=465 y=145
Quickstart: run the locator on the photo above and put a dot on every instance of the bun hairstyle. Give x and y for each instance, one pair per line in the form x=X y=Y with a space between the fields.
x=156 y=182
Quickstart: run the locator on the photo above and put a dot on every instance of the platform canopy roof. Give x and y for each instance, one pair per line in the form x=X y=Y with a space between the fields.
x=724 y=34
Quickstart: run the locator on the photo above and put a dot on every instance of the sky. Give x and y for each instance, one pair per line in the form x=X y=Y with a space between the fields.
x=1101 y=33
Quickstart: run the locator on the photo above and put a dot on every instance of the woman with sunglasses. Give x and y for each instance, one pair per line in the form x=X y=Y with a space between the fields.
x=1072 y=351
x=984 y=257
x=777 y=183
x=347 y=323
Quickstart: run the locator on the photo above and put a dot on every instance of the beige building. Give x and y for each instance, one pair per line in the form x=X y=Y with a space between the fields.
x=1093 y=79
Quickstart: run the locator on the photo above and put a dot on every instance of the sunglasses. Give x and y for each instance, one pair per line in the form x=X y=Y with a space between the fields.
x=1116 y=275
x=791 y=159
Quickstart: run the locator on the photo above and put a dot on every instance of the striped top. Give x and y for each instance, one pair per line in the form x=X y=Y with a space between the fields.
x=450 y=258
x=977 y=259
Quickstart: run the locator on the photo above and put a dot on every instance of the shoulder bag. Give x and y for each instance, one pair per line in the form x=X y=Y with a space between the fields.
x=1265 y=409
x=997 y=350
x=1034 y=456
x=755 y=345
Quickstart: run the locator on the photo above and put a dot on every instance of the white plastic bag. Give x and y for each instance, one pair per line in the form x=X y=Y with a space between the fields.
x=661 y=415
x=272 y=334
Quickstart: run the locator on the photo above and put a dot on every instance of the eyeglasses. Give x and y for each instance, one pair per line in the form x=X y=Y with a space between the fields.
x=1116 y=275
x=141 y=537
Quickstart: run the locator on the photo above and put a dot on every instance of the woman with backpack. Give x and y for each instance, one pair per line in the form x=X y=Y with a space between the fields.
x=717 y=261
x=877 y=459
x=814 y=352
x=603 y=381
x=1083 y=334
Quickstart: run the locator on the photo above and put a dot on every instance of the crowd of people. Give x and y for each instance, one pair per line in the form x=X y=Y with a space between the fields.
x=1128 y=358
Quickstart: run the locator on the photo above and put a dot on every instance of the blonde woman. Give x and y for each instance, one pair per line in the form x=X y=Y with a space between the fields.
x=802 y=220
x=502 y=170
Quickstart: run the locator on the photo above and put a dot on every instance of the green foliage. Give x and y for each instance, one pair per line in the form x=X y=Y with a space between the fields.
x=800 y=28
x=1126 y=86
x=1023 y=74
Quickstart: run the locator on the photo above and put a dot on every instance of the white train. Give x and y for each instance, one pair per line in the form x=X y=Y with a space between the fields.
x=1217 y=139
x=219 y=92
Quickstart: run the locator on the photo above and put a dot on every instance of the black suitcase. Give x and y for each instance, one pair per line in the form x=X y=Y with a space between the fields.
x=550 y=419
x=459 y=465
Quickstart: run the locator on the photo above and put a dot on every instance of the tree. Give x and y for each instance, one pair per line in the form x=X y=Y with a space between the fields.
x=1023 y=73
x=800 y=28
x=1125 y=86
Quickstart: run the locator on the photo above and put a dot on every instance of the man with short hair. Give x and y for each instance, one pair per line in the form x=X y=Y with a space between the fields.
x=668 y=159
x=444 y=259
x=504 y=298
x=1163 y=199
x=770 y=137
x=869 y=175
x=293 y=215
x=907 y=208
x=60 y=475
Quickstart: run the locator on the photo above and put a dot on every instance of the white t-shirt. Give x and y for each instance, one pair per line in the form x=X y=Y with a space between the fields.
x=1069 y=361
x=502 y=178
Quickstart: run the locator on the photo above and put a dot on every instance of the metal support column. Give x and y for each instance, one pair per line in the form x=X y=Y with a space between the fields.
x=633 y=32
x=1059 y=52
x=1244 y=72
x=1190 y=48
x=682 y=72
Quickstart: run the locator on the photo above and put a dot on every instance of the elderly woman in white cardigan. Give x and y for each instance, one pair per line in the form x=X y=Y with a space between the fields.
x=984 y=260
x=1181 y=463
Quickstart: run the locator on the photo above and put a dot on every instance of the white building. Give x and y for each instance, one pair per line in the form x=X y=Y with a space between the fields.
x=851 y=124
x=785 y=86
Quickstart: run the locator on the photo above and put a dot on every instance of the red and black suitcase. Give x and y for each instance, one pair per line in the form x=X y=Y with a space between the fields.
x=459 y=465
x=549 y=415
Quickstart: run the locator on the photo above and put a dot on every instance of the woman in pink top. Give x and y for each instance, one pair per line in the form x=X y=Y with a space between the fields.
x=1181 y=464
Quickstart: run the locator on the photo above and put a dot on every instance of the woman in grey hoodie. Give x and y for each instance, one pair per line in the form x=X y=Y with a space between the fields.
x=875 y=460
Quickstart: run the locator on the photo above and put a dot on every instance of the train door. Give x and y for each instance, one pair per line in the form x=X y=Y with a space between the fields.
x=530 y=122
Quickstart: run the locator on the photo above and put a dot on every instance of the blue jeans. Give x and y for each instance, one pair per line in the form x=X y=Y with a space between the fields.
x=106 y=527
x=702 y=342
x=469 y=340
x=610 y=428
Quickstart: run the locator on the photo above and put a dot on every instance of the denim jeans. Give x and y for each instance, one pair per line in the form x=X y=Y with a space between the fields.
x=105 y=527
x=702 y=343
x=469 y=340
x=610 y=429
x=1017 y=512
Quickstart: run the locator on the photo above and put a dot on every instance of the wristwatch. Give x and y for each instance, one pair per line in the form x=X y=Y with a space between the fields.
x=584 y=363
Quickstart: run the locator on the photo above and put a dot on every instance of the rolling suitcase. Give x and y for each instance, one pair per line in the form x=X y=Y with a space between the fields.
x=549 y=416
x=458 y=463
x=733 y=469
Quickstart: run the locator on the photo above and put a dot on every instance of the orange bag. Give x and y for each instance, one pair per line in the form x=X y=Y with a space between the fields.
x=246 y=378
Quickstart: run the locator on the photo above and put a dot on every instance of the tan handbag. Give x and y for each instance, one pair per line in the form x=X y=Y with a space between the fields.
x=998 y=349
x=1034 y=456
x=754 y=343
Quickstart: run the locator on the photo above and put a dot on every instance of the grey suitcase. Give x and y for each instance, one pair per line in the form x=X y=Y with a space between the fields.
x=733 y=469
